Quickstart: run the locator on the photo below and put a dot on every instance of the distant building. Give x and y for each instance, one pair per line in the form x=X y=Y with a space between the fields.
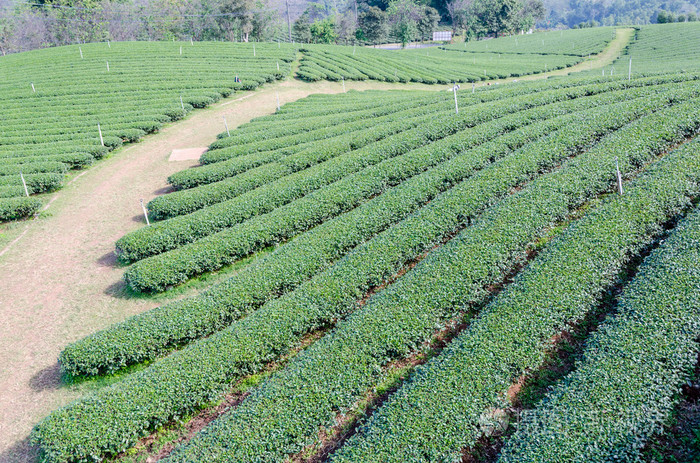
x=442 y=36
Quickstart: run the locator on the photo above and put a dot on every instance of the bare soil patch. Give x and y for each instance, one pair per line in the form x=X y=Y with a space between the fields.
x=186 y=154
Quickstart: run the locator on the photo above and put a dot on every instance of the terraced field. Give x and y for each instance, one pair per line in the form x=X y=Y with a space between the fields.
x=659 y=48
x=470 y=197
x=467 y=62
x=65 y=108
x=396 y=271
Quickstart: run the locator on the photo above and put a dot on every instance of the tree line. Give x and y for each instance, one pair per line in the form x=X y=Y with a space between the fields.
x=30 y=24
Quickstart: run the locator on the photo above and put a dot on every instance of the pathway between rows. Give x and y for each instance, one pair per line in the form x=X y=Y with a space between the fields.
x=58 y=276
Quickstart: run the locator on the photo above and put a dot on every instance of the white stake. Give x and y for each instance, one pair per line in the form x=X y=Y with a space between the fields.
x=473 y=87
x=180 y=49
x=191 y=41
x=145 y=213
x=619 y=177
x=107 y=66
x=26 y=191
x=99 y=129
x=181 y=103
x=109 y=44
x=629 y=72
x=454 y=90
x=226 y=125
x=278 y=101
x=81 y=52
x=278 y=65
x=33 y=89
x=253 y=49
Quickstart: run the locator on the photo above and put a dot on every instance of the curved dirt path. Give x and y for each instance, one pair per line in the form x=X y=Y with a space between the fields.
x=58 y=275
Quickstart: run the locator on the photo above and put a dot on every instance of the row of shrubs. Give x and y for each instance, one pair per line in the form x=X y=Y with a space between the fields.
x=438 y=412
x=626 y=384
x=452 y=400
x=115 y=417
x=212 y=251
x=150 y=333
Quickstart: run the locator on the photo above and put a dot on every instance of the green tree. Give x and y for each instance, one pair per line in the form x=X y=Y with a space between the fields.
x=531 y=12
x=323 y=31
x=404 y=16
x=665 y=17
x=302 y=29
x=238 y=21
x=428 y=22
x=497 y=16
x=372 y=25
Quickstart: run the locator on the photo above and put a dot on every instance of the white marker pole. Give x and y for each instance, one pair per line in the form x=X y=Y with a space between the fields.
x=454 y=90
x=629 y=72
x=26 y=191
x=619 y=177
x=191 y=41
x=226 y=125
x=473 y=87
x=253 y=49
x=99 y=129
x=278 y=65
x=278 y=101
x=33 y=89
x=145 y=213
x=107 y=66
x=182 y=105
x=180 y=49
x=109 y=44
x=81 y=52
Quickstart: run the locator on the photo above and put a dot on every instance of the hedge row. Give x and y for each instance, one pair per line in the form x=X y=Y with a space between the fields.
x=178 y=231
x=219 y=170
x=446 y=405
x=225 y=247
x=288 y=162
x=116 y=416
x=38 y=182
x=286 y=412
x=627 y=382
x=150 y=333
x=18 y=208
x=51 y=103
x=386 y=104
x=247 y=345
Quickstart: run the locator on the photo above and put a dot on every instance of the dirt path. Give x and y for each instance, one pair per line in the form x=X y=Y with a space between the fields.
x=58 y=275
